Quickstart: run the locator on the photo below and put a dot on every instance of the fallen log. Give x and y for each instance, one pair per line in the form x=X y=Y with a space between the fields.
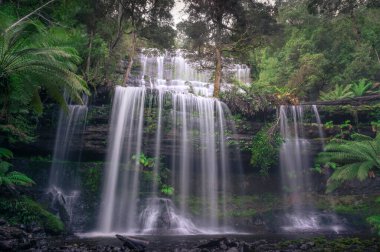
x=133 y=243
x=350 y=101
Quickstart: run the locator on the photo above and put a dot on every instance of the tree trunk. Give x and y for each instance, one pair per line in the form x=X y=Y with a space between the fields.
x=377 y=54
x=119 y=27
x=218 y=72
x=88 y=62
x=130 y=60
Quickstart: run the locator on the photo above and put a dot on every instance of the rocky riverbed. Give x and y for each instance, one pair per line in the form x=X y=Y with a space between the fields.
x=34 y=238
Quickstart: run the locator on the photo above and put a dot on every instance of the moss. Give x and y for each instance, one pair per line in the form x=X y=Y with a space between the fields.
x=374 y=221
x=92 y=176
x=24 y=210
x=242 y=213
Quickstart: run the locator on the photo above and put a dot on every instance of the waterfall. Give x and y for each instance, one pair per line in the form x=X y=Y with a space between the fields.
x=144 y=122
x=294 y=154
x=125 y=140
x=63 y=183
x=295 y=164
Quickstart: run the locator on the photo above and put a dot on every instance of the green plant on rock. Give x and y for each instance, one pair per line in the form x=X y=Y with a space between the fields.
x=92 y=178
x=329 y=125
x=167 y=190
x=358 y=158
x=361 y=88
x=340 y=92
x=26 y=211
x=144 y=161
x=11 y=178
x=374 y=220
x=345 y=129
x=265 y=148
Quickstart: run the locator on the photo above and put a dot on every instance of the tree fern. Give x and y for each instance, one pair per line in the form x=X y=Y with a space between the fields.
x=28 y=61
x=354 y=159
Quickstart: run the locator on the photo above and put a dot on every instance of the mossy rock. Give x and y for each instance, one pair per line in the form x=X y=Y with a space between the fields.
x=24 y=210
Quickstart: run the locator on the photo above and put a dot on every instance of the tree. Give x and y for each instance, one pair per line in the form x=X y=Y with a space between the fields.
x=355 y=159
x=216 y=28
x=149 y=19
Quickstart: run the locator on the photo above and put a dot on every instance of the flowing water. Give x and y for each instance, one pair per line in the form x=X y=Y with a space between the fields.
x=63 y=184
x=295 y=165
x=169 y=162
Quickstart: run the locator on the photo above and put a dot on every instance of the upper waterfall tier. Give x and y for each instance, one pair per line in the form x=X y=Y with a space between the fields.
x=172 y=71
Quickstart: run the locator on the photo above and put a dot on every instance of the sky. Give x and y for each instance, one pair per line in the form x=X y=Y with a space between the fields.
x=177 y=12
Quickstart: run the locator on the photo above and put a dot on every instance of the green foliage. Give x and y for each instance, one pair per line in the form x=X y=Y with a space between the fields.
x=329 y=125
x=146 y=162
x=316 y=53
x=338 y=93
x=375 y=222
x=355 y=159
x=167 y=190
x=361 y=87
x=24 y=210
x=265 y=149
x=92 y=178
x=11 y=178
x=242 y=213
x=37 y=62
x=29 y=65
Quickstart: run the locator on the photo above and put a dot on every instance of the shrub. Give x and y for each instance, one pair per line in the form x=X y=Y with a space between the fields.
x=265 y=149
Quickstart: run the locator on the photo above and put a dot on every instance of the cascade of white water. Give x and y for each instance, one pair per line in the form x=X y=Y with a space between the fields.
x=320 y=125
x=63 y=184
x=295 y=162
x=157 y=151
x=200 y=163
x=126 y=130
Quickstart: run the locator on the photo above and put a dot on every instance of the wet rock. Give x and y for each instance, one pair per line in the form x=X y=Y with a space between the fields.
x=233 y=250
x=214 y=243
x=9 y=232
x=266 y=247
x=258 y=243
x=247 y=247
x=8 y=245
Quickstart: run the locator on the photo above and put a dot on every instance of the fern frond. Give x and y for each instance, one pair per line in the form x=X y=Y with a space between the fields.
x=353 y=158
x=18 y=178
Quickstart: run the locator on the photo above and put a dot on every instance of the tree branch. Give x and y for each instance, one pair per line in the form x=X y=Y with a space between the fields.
x=27 y=16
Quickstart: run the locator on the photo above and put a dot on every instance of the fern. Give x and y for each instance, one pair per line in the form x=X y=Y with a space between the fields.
x=361 y=88
x=30 y=65
x=13 y=178
x=354 y=159
x=339 y=93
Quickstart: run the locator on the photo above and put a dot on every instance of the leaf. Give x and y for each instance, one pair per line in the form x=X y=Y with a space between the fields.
x=353 y=159
x=4 y=167
x=5 y=153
